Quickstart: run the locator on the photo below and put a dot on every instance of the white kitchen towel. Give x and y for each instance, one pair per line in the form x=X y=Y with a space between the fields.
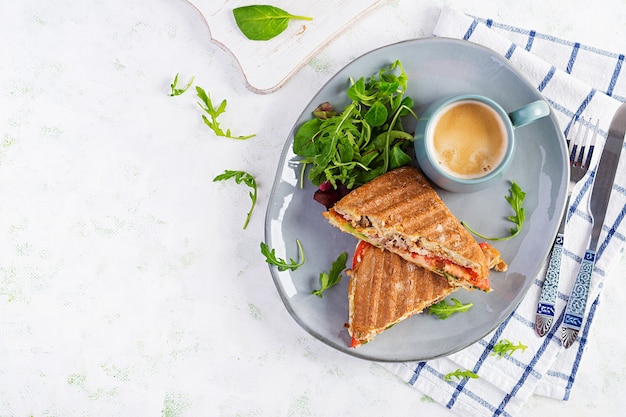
x=582 y=84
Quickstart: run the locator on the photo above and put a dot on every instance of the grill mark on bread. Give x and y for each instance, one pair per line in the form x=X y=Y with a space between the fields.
x=401 y=212
x=384 y=289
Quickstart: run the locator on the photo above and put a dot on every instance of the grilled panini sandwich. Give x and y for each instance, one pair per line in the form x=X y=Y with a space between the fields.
x=401 y=212
x=384 y=289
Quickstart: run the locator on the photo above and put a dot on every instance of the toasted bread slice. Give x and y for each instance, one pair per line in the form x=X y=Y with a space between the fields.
x=401 y=212
x=494 y=260
x=384 y=289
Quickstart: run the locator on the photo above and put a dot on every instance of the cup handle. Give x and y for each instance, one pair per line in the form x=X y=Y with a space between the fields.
x=529 y=113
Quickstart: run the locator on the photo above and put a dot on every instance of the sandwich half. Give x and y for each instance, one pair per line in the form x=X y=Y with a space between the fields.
x=401 y=212
x=384 y=289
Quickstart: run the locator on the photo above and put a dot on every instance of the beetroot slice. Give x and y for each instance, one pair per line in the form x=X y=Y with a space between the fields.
x=328 y=196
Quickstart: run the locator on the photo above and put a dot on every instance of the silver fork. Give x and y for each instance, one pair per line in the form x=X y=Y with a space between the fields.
x=580 y=151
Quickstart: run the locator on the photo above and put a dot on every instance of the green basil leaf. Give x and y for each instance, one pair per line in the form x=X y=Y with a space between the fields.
x=263 y=22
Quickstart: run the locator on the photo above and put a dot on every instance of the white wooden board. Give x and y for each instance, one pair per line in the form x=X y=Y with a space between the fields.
x=266 y=65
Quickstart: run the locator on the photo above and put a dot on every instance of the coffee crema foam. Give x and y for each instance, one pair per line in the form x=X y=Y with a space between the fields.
x=469 y=139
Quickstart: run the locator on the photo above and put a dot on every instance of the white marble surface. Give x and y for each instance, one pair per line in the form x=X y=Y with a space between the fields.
x=127 y=285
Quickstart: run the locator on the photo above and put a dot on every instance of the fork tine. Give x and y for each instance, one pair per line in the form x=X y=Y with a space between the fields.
x=575 y=142
x=591 y=146
x=571 y=140
x=582 y=144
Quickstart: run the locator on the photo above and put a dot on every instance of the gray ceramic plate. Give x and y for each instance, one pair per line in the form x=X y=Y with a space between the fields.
x=435 y=67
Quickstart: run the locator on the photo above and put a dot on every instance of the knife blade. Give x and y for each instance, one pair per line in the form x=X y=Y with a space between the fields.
x=602 y=186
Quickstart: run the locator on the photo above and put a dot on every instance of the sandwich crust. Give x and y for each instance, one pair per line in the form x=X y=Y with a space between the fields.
x=401 y=212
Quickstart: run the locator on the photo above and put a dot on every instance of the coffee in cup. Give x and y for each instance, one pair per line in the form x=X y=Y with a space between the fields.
x=465 y=143
x=469 y=139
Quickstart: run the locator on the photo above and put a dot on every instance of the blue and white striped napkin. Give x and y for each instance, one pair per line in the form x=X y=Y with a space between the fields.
x=578 y=81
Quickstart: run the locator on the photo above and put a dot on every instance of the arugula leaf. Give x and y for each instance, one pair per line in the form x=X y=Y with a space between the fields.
x=281 y=264
x=363 y=141
x=178 y=91
x=459 y=375
x=247 y=179
x=213 y=113
x=444 y=310
x=332 y=278
x=504 y=347
x=263 y=22
x=515 y=200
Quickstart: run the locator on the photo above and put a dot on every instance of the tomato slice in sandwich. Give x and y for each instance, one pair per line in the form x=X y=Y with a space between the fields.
x=358 y=252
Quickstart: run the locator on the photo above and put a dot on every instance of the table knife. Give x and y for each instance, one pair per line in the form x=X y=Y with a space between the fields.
x=602 y=186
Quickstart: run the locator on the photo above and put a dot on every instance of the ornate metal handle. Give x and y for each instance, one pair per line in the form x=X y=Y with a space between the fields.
x=577 y=302
x=550 y=289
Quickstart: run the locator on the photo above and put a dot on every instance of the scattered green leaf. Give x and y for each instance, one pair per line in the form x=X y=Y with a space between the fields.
x=363 y=141
x=263 y=22
x=214 y=113
x=281 y=264
x=444 y=310
x=178 y=91
x=247 y=179
x=515 y=200
x=459 y=375
x=333 y=277
x=505 y=347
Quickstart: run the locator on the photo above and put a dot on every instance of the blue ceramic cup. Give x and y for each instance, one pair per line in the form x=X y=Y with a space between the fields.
x=465 y=143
